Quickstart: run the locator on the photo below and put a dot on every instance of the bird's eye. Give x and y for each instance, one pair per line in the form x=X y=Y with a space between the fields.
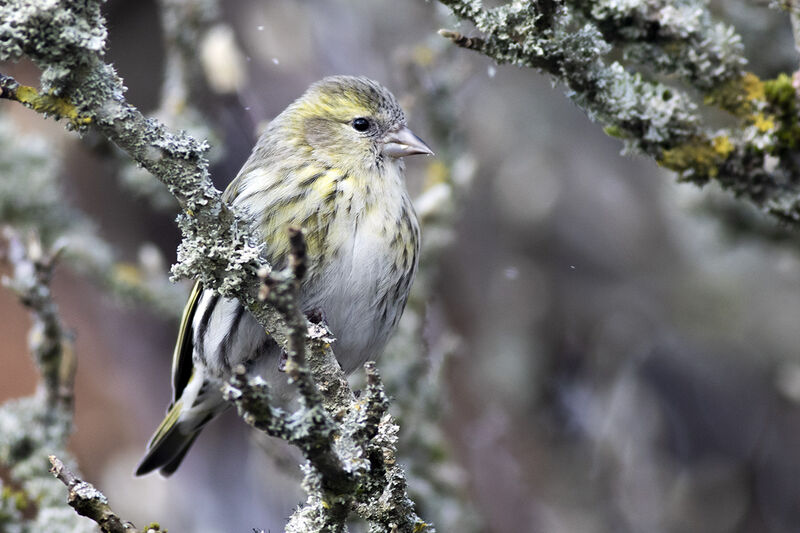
x=361 y=124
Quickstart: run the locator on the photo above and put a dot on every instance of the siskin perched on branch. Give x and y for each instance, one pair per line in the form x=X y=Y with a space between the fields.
x=330 y=163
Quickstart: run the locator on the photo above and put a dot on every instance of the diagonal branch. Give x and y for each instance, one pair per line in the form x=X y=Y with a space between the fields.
x=90 y=502
x=218 y=247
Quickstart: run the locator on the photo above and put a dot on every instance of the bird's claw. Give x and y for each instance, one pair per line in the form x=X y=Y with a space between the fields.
x=317 y=316
x=282 y=360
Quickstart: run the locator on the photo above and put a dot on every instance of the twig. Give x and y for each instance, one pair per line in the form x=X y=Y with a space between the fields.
x=459 y=39
x=49 y=344
x=90 y=502
x=47 y=104
x=316 y=442
x=282 y=291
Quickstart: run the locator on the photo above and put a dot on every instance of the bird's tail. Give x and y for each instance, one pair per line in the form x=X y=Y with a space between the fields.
x=172 y=439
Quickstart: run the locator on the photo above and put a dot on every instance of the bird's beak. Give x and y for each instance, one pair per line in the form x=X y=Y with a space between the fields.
x=402 y=142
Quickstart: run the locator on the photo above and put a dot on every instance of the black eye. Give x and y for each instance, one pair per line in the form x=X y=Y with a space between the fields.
x=361 y=124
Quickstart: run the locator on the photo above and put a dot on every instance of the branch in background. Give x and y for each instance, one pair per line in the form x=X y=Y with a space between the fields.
x=50 y=345
x=32 y=198
x=187 y=25
x=793 y=7
x=574 y=42
x=415 y=362
x=31 y=428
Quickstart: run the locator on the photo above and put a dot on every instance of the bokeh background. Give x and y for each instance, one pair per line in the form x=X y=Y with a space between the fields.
x=602 y=349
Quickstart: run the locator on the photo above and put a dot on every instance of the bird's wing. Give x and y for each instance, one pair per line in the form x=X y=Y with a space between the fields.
x=182 y=363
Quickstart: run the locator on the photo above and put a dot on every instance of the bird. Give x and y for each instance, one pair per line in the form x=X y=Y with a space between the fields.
x=332 y=164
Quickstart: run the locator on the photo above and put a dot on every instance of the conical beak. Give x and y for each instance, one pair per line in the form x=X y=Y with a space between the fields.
x=403 y=142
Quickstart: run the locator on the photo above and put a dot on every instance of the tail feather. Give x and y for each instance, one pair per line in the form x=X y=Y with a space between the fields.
x=167 y=443
x=170 y=468
x=171 y=441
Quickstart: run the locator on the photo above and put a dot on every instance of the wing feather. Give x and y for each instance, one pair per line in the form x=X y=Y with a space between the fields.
x=182 y=363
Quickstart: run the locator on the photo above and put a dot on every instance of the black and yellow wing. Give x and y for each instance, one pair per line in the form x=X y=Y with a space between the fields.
x=182 y=363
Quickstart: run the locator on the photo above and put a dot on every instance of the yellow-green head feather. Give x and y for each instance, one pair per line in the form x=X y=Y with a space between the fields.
x=321 y=157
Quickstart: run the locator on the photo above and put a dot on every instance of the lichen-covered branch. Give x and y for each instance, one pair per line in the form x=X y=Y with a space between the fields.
x=217 y=248
x=349 y=443
x=576 y=43
x=90 y=502
x=50 y=346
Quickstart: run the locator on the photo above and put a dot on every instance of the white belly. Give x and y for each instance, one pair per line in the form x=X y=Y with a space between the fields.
x=351 y=294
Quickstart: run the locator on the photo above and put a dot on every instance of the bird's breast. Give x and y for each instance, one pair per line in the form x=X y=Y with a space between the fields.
x=362 y=286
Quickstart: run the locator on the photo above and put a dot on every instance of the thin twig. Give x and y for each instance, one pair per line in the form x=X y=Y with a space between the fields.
x=459 y=39
x=48 y=104
x=90 y=502
x=49 y=343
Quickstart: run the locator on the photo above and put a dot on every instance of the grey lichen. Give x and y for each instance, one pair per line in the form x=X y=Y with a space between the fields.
x=58 y=35
x=674 y=37
x=575 y=42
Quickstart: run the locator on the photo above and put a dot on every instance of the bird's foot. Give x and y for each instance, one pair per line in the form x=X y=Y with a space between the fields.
x=317 y=316
x=282 y=361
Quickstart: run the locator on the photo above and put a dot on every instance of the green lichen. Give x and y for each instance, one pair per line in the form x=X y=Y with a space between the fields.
x=58 y=36
x=782 y=99
x=615 y=131
x=740 y=96
x=49 y=104
x=699 y=159
x=780 y=92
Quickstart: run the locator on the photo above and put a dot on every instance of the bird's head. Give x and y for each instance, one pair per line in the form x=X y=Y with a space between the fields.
x=352 y=121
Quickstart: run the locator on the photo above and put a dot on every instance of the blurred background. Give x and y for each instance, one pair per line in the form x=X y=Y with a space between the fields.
x=591 y=347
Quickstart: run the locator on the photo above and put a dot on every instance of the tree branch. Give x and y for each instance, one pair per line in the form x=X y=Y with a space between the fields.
x=50 y=345
x=754 y=159
x=34 y=426
x=350 y=465
x=90 y=502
